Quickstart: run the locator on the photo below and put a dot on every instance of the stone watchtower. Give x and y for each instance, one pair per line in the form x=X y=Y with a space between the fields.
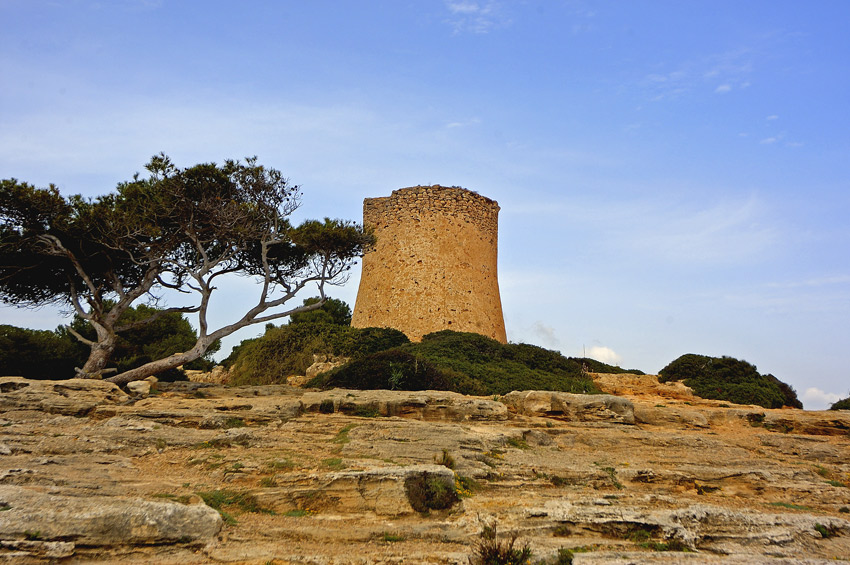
x=433 y=266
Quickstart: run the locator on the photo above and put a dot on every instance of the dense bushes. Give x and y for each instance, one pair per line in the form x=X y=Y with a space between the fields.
x=463 y=362
x=288 y=350
x=841 y=404
x=39 y=354
x=42 y=354
x=726 y=378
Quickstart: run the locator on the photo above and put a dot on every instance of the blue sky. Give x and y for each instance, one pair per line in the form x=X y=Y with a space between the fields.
x=673 y=176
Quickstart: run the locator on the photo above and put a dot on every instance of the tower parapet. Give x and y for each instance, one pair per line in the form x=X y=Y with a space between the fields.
x=434 y=263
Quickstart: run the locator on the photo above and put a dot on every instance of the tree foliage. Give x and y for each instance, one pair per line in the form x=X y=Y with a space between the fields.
x=727 y=378
x=333 y=311
x=179 y=229
x=843 y=404
x=42 y=354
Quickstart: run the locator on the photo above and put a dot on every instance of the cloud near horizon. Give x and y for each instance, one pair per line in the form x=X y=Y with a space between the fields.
x=605 y=355
x=816 y=399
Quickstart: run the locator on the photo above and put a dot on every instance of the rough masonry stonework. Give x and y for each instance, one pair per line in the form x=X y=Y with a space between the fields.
x=433 y=266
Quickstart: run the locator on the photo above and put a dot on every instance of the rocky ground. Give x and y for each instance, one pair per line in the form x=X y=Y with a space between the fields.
x=203 y=473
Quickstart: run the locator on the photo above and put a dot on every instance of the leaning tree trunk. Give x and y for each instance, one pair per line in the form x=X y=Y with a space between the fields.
x=99 y=357
x=161 y=365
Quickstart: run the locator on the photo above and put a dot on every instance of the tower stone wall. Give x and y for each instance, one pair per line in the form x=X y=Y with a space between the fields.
x=433 y=266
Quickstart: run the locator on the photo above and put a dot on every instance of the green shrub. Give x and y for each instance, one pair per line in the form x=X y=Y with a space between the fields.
x=843 y=404
x=429 y=492
x=288 y=350
x=462 y=362
x=39 y=354
x=726 y=378
x=491 y=551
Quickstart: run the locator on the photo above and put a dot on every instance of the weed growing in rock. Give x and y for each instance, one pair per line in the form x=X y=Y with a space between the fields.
x=268 y=482
x=826 y=531
x=334 y=464
x=491 y=551
x=281 y=465
x=341 y=436
x=564 y=557
x=326 y=406
x=790 y=506
x=388 y=537
x=562 y=531
x=445 y=459
x=464 y=486
x=836 y=483
x=518 y=443
x=298 y=513
x=221 y=499
x=233 y=423
x=430 y=492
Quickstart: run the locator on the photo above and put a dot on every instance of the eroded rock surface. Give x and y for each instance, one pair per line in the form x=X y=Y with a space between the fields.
x=201 y=473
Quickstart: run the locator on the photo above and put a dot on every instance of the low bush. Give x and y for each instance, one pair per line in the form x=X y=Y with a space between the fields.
x=289 y=349
x=726 y=378
x=491 y=551
x=462 y=362
x=841 y=404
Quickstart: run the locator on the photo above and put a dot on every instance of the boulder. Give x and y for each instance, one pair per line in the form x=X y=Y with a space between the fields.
x=423 y=405
x=102 y=520
x=74 y=397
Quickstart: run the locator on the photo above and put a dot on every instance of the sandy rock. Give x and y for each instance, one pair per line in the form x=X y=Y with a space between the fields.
x=386 y=491
x=139 y=388
x=323 y=363
x=102 y=520
x=74 y=397
x=425 y=405
x=571 y=407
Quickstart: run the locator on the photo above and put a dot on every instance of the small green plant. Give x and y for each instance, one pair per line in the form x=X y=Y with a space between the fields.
x=445 y=459
x=672 y=545
x=392 y=538
x=221 y=499
x=612 y=473
x=334 y=464
x=562 y=531
x=4 y=506
x=427 y=492
x=823 y=471
x=790 y=506
x=564 y=556
x=826 y=532
x=640 y=536
x=843 y=510
x=281 y=465
x=341 y=436
x=233 y=423
x=32 y=536
x=326 y=406
x=464 y=486
x=518 y=443
x=491 y=551
x=268 y=482
x=835 y=483
x=298 y=513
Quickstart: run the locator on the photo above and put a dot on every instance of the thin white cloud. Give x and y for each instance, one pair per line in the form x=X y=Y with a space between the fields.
x=769 y=140
x=772 y=117
x=729 y=231
x=723 y=89
x=476 y=16
x=545 y=335
x=816 y=399
x=463 y=123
